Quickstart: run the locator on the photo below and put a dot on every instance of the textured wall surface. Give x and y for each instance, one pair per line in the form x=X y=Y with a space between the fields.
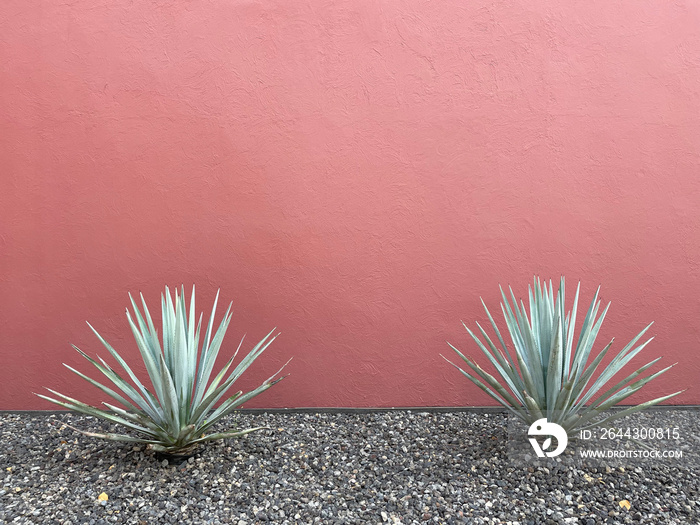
x=356 y=173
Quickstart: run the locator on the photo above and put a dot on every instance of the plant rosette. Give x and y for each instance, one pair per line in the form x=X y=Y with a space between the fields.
x=544 y=375
x=185 y=402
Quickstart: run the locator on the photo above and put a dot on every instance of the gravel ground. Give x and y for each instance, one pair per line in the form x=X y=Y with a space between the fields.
x=400 y=467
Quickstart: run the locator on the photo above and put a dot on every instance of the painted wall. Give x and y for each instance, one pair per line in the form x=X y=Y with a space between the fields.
x=354 y=173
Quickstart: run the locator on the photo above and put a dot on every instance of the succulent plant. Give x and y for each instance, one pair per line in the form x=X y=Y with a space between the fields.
x=552 y=375
x=177 y=414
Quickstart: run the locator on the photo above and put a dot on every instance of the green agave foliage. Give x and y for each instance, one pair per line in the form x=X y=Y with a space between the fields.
x=175 y=416
x=552 y=374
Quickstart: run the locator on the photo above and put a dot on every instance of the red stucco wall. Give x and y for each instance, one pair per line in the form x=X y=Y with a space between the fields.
x=355 y=173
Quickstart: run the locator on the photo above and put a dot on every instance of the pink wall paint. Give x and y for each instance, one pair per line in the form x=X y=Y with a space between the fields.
x=355 y=173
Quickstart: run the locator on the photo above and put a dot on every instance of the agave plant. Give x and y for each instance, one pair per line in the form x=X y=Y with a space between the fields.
x=552 y=375
x=175 y=416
